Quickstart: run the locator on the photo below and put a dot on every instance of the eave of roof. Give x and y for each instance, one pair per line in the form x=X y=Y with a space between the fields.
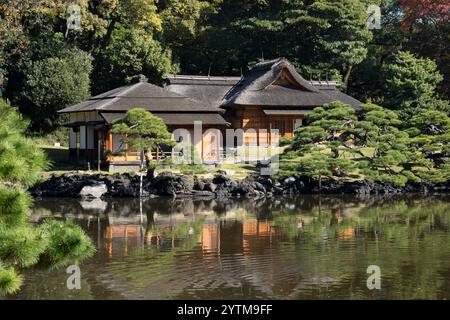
x=174 y=119
x=286 y=112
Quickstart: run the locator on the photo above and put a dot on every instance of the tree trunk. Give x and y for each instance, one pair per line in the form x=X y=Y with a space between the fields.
x=109 y=31
x=141 y=174
x=346 y=77
x=320 y=183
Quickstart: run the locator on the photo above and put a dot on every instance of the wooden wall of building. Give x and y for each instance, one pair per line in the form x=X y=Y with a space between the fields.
x=84 y=116
x=257 y=125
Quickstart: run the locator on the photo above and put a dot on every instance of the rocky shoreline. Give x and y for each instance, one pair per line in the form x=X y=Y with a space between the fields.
x=168 y=184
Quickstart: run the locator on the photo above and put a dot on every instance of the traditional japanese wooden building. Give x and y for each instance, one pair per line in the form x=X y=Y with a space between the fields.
x=90 y=122
x=271 y=96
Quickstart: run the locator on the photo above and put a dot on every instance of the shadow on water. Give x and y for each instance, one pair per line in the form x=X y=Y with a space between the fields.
x=306 y=247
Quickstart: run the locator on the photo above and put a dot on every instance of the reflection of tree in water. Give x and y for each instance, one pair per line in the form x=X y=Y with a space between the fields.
x=325 y=242
x=409 y=239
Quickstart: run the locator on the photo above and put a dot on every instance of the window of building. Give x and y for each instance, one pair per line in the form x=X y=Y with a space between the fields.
x=298 y=123
x=280 y=125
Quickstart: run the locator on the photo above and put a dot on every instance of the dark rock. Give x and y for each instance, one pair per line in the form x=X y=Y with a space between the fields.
x=169 y=184
x=199 y=185
x=220 y=179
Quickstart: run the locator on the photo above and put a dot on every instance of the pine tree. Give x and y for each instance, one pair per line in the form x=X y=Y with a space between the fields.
x=411 y=85
x=430 y=136
x=338 y=140
x=325 y=143
x=388 y=145
x=143 y=132
x=23 y=245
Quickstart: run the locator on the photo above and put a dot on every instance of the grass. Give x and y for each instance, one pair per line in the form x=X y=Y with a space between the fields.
x=60 y=164
x=239 y=170
x=236 y=171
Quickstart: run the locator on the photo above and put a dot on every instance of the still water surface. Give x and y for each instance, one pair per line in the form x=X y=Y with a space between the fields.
x=282 y=248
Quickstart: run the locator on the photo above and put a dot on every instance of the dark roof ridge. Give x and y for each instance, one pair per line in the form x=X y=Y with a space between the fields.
x=196 y=77
x=266 y=63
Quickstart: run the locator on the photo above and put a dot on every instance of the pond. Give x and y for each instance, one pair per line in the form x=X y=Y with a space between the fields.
x=305 y=247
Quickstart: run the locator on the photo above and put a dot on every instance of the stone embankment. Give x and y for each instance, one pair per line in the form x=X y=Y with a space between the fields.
x=167 y=184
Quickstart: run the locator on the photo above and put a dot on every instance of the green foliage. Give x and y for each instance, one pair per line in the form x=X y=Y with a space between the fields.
x=130 y=37
x=379 y=130
x=67 y=242
x=330 y=125
x=411 y=84
x=340 y=31
x=10 y=280
x=315 y=166
x=132 y=52
x=20 y=159
x=142 y=130
x=54 y=83
x=430 y=137
x=60 y=135
x=284 y=141
x=322 y=165
x=336 y=139
x=424 y=38
x=192 y=169
x=434 y=175
x=231 y=35
x=22 y=245
x=14 y=203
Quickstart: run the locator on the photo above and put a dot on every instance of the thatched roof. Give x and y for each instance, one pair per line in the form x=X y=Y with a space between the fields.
x=144 y=95
x=260 y=87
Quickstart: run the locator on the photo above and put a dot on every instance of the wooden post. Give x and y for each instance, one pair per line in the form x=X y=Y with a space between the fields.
x=99 y=145
x=110 y=143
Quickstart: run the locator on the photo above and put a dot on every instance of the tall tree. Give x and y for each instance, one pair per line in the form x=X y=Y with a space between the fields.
x=340 y=33
x=23 y=245
x=53 y=83
x=411 y=85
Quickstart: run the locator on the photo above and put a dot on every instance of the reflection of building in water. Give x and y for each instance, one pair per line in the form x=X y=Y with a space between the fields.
x=256 y=235
x=122 y=236
x=210 y=238
x=347 y=233
x=250 y=236
x=124 y=231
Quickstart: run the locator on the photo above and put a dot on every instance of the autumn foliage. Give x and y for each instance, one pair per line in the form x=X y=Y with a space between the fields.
x=434 y=11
